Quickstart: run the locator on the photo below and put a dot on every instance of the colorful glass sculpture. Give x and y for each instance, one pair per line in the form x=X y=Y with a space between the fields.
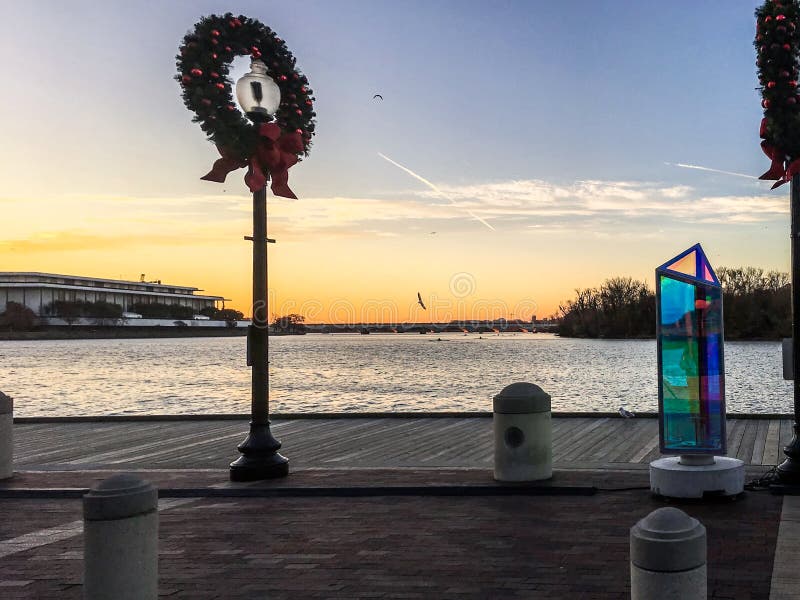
x=691 y=373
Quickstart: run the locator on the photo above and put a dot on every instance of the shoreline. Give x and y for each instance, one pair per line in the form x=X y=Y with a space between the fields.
x=111 y=332
x=132 y=418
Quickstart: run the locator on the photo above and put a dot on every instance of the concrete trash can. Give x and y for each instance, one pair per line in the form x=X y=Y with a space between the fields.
x=523 y=448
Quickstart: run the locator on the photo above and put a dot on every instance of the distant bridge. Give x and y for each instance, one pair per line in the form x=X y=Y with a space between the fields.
x=451 y=327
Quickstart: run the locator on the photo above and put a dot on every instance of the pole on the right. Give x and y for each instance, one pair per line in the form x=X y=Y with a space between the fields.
x=789 y=469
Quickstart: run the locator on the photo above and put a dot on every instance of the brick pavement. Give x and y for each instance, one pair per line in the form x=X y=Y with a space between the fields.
x=394 y=547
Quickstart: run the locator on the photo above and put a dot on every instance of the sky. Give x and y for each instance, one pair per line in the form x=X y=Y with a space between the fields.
x=522 y=149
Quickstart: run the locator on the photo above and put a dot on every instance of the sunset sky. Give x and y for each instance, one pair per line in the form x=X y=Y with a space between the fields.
x=568 y=128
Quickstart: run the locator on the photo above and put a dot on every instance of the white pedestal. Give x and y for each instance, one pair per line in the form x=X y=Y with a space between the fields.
x=673 y=478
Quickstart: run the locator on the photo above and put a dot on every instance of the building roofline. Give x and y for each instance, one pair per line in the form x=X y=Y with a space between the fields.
x=39 y=274
x=122 y=291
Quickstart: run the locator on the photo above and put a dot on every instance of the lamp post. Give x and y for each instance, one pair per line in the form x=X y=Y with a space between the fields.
x=789 y=469
x=259 y=97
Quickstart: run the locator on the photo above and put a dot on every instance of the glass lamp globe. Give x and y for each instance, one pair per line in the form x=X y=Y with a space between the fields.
x=258 y=95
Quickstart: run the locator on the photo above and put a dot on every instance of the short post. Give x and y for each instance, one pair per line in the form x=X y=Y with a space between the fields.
x=668 y=557
x=6 y=436
x=121 y=540
x=523 y=438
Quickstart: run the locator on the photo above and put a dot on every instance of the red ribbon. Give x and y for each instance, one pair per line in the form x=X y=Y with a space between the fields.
x=781 y=169
x=275 y=154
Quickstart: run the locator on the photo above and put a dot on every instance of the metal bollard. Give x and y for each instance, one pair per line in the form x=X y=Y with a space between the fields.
x=523 y=438
x=121 y=540
x=668 y=557
x=6 y=436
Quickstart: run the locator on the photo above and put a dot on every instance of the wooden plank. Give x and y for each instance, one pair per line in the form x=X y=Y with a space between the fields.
x=745 y=451
x=596 y=432
x=735 y=432
x=760 y=441
x=771 y=448
x=625 y=452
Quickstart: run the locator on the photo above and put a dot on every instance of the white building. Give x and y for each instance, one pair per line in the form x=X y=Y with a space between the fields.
x=38 y=290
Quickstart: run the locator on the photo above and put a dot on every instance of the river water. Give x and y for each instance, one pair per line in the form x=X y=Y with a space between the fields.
x=356 y=373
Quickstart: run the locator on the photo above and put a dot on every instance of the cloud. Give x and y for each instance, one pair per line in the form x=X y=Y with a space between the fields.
x=594 y=207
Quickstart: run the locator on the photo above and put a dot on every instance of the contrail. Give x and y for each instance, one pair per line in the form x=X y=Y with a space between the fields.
x=709 y=169
x=434 y=188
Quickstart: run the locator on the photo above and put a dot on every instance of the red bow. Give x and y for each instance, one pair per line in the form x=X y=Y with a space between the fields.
x=275 y=153
x=780 y=169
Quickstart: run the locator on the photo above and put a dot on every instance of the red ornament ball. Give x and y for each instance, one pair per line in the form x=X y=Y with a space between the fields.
x=771 y=84
x=186 y=79
x=219 y=86
x=308 y=102
x=214 y=41
x=196 y=72
x=214 y=75
x=300 y=131
x=215 y=32
x=780 y=18
x=784 y=74
x=791 y=100
x=206 y=102
x=767 y=19
x=765 y=103
x=283 y=78
x=227 y=48
x=299 y=112
x=214 y=56
x=793 y=84
x=787 y=47
x=230 y=107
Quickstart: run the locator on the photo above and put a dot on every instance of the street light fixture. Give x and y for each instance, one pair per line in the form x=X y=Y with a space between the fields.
x=259 y=96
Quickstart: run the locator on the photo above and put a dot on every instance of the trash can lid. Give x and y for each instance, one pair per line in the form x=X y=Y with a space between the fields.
x=119 y=497
x=668 y=540
x=521 y=398
x=6 y=404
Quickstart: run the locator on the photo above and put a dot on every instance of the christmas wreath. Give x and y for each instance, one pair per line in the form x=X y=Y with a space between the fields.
x=777 y=43
x=266 y=149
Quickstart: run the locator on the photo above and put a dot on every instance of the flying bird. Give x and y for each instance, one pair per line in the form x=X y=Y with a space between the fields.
x=625 y=413
x=377 y=96
x=419 y=300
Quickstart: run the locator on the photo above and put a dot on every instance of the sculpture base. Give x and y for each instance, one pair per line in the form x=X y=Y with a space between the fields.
x=672 y=477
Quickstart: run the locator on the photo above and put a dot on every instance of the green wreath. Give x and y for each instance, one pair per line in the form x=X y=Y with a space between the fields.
x=778 y=45
x=203 y=66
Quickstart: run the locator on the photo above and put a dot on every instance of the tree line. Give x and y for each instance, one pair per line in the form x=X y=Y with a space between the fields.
x=756 y=305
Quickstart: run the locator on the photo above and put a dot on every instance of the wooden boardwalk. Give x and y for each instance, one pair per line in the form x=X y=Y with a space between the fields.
x=578 y=442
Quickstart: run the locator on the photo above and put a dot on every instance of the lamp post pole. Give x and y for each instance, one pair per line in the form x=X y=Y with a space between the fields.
x=789 y=469
x=260 y=458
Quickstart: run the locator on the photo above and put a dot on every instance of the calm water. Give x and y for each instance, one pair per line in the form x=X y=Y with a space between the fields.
x=333 y=373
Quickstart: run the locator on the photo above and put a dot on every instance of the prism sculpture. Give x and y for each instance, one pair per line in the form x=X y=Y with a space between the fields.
x=691 y=376
x=691 y=383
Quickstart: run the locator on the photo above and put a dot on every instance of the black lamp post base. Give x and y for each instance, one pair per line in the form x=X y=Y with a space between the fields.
x=260 y=458
x=250 y=468
x=788 y=472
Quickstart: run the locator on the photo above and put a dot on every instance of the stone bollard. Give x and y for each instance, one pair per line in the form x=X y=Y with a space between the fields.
x=121 y=540
x=668 y=557
x=523 y=449
x=6 y=436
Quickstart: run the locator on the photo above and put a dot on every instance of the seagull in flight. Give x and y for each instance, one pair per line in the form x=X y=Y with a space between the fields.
x=377 y=96
x=625 y=413
x=419 y=300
